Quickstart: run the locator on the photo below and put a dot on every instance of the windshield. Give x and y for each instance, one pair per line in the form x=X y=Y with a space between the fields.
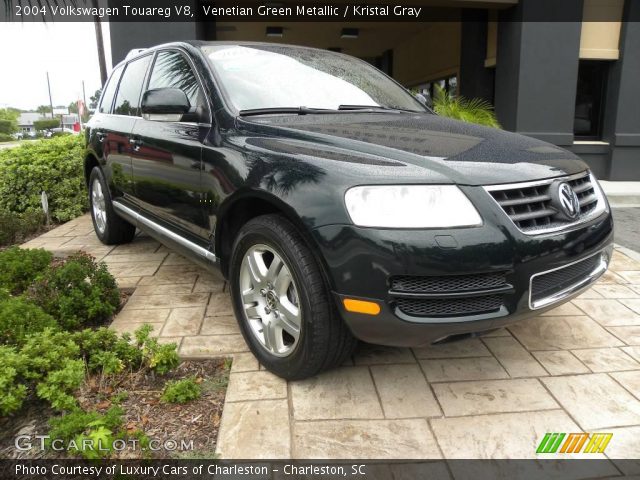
x=273 y=76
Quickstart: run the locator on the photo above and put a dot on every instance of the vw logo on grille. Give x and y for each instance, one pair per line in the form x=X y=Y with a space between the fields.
x=566 y=201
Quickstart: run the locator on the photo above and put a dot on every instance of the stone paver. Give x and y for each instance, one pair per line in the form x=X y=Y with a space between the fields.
x=508 y=435
x=378 y=439
x=560 y=362
x=404 y=392
x=595 y=401
x=606 y=359
x=448 y=370
x=574 y=368
x=494 y=396
x=255 y=430
x=348 y=392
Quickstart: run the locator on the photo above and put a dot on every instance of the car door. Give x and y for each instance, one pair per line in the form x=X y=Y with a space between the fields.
x=116 y=128
x=166 y=157
x=110 y=138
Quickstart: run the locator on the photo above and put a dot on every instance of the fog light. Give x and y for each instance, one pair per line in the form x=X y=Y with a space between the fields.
x=361 y=306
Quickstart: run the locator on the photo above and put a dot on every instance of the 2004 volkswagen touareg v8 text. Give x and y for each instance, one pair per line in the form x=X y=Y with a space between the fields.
x=336 y=204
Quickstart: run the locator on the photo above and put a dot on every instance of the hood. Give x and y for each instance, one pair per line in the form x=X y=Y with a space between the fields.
x=461 y=152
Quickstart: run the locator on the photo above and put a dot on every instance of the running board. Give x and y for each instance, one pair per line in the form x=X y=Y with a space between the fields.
x=139 y=219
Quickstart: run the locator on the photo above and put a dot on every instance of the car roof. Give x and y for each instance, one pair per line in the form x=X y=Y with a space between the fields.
x=204 y=43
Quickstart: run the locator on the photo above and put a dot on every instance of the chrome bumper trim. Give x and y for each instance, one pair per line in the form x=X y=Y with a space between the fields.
x=572 y=289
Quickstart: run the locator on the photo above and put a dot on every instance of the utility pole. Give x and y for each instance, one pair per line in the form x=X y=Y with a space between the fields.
x=84 y=100
x=50 y=100
x=100 y=44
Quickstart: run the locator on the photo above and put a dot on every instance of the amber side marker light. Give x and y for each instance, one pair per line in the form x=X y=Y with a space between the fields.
x=361 y=306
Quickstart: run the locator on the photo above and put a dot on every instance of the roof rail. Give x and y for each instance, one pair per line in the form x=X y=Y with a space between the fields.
x=134 y=52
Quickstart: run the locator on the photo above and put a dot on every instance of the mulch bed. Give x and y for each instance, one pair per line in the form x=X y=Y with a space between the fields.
x=196 y=421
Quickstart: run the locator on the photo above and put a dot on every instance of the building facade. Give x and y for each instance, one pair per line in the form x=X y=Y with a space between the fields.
x=567 y=72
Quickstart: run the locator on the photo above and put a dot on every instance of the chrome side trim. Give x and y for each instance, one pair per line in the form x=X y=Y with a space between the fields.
x=572 y=289
x=601 y=204
x=141 y=219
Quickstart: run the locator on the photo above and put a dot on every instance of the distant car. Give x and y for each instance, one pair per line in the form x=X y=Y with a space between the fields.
x=18 y=135
x=335 y=203
x=59 y=131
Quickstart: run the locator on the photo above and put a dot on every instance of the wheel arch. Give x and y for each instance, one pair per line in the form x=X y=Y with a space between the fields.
x=248 y=205
x=90 y=161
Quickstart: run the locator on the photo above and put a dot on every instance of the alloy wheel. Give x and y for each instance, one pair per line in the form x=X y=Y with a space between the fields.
x=270 y=300
x=98 y=205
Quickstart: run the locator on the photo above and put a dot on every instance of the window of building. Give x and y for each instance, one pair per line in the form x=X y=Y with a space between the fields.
x=128 y=98
x=110 y=91
x=592 y=76
x=171 y=70
x=448 y=84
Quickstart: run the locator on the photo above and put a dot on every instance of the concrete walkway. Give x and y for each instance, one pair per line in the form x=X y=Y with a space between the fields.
x=577 y=368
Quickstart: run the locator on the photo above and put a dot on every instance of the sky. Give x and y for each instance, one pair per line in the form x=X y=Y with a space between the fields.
x=66 y=50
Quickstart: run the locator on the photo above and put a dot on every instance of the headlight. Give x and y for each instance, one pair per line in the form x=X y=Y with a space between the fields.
x=410 y=206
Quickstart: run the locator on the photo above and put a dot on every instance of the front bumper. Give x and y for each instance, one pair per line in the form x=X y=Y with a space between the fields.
x=362 y=261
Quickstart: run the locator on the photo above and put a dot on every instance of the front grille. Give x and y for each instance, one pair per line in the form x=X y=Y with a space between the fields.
x=547 y=284
x=440 y=307
x=449 y=295
x=530 y=206
x=447 y=283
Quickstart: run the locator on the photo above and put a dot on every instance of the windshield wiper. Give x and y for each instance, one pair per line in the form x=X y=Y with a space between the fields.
x=295 y=110
x=374 y=108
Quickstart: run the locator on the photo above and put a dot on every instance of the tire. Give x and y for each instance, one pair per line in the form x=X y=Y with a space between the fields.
x=109 y=227
x=323 y=340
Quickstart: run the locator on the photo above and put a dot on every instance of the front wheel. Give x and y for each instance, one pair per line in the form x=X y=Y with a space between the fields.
x=282 y=302
x=109 y=227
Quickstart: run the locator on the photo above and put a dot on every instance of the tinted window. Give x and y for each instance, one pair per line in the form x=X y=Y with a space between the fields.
x=128 y=99
x=171 y=70
x=589 y=99
x=110 y=90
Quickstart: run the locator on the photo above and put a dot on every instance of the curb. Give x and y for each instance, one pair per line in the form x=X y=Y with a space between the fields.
x=622 y=194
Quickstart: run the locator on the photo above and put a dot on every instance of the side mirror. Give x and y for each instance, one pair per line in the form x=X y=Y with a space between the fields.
x=164 y=104
x=425 y=100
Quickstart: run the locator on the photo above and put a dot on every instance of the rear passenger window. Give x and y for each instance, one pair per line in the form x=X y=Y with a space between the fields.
x=109 y=91
x=128 y=98
x=171 y=70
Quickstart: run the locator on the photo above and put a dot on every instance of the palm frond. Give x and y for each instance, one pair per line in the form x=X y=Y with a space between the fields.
x=475 y=110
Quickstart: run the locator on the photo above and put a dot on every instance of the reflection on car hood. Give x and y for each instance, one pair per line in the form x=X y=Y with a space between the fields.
x=464 y=152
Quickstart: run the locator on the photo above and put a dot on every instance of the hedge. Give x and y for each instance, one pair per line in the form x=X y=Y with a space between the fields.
x=54 y=166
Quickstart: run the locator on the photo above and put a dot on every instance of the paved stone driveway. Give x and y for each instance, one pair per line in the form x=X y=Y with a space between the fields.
x=573 y=369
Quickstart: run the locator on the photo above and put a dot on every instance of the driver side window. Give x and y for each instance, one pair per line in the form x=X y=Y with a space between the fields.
x=171 y=70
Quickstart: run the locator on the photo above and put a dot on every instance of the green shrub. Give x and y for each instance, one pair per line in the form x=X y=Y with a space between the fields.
x=476 y=110
x=19 y=267
x=159 y=358
x=181 y=391
x=5 y=137
x=76 y=422
x=58 y=386
x=13 y=390
x=16 y=227
x=19 y=318
x=46 y=351
x=55 y=166
x=77 y=291
x=102 y=347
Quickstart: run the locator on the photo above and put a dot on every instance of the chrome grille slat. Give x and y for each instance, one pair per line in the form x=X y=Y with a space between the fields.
x=529 y=205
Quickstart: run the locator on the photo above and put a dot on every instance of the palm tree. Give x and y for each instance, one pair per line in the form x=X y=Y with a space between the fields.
x=475 y=110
